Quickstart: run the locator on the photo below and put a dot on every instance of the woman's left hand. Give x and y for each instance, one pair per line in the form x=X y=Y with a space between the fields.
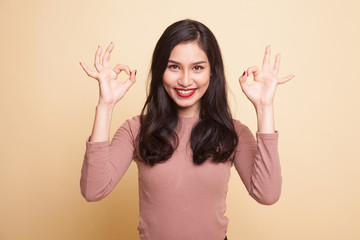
x=262 y=91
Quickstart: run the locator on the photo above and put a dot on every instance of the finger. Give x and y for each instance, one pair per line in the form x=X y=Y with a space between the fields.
x=254 y=70
x=286 y=79
x=131 y=80
x=106 y=58
x=266 y=61
x=276 y=64
x=243 y=83
x=88 y=71
x=97 y=59
x=118 y=68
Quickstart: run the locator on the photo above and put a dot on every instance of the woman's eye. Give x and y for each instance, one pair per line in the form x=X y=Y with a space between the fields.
x=198 y=68
x=173 y=67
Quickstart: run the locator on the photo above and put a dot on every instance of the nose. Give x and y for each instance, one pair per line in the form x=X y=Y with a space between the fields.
x=185 y=79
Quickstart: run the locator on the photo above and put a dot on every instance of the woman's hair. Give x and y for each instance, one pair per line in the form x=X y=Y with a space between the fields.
x=214 y=135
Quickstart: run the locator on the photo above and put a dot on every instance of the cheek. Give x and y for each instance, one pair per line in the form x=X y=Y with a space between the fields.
x=206 y=87
x=204 y=81
x=167 y=79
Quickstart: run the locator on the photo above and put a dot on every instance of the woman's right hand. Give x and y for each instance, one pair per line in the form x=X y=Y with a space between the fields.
x=111 y=90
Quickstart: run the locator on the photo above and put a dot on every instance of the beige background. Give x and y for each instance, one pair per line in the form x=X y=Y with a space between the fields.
x=48 y=104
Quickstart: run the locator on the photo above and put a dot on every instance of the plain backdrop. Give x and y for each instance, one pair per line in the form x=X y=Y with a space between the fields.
x=48 y=104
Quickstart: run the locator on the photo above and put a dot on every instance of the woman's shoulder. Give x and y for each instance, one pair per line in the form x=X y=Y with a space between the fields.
x=135 y=120
x=131 y=124
x=238 y=125
x=244 y=133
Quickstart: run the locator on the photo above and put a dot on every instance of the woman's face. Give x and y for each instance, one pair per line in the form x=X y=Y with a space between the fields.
x=187 y=77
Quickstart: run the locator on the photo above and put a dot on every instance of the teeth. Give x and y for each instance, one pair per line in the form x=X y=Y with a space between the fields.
x=185 y=91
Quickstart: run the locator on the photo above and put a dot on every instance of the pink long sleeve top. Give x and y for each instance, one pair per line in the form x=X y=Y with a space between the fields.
x=179 y=200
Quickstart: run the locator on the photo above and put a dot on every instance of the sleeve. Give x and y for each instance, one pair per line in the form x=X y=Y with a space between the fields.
x=105 y=163
x=258 y=164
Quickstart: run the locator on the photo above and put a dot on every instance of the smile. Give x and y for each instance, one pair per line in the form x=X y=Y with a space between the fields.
x=185 y=92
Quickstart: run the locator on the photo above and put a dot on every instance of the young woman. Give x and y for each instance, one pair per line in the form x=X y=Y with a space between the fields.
x=185 y=140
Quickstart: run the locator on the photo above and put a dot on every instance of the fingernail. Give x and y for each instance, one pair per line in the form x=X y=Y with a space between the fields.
x=243 y=74
x=135 y=72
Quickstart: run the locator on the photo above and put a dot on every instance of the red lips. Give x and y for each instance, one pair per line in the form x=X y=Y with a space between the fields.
x=185 y=92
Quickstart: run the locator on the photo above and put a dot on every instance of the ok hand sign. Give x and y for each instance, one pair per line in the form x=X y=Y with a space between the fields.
x=262 y=91
x=111 y=90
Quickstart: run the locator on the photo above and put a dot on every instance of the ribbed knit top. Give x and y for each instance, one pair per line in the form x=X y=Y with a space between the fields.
x=179 y=200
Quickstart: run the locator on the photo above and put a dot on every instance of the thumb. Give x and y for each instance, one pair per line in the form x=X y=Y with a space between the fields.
x=131 y=80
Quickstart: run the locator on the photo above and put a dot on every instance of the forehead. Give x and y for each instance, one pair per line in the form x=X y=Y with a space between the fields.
x=188 y=52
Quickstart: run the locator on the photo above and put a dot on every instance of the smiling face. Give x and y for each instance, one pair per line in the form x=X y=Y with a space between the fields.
x=187 y=77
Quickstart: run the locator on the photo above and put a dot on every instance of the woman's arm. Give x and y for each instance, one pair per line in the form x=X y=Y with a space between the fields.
x=102 y=122
x=265 y=119
x=261 y=92
x=257 y=160
x=258 y=164
x=104 y=162
x=110 y=91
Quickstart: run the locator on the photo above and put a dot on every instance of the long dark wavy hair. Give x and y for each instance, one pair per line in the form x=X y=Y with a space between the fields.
x=214 y=135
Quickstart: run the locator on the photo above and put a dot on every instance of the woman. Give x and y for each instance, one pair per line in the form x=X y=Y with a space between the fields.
x=185 y=140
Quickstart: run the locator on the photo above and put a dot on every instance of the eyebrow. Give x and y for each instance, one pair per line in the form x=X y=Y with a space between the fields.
x=199 y=62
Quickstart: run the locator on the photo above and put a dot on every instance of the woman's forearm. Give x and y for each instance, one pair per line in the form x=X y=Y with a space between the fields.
x=265 y=119
x=102 y=122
